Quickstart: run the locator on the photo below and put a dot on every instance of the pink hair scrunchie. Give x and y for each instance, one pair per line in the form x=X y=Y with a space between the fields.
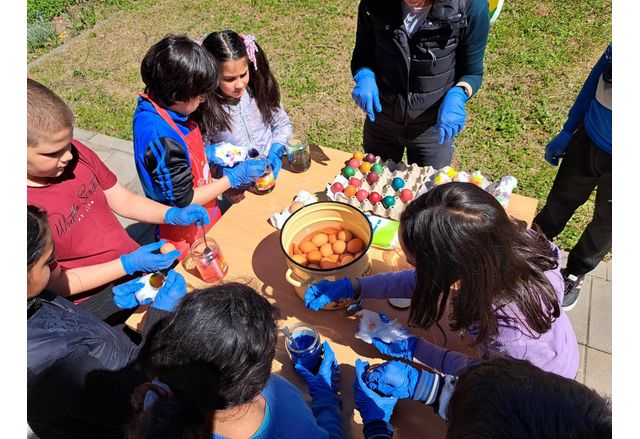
x=252 y=48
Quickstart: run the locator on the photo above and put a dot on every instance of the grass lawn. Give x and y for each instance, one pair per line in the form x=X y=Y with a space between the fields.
x=538 y=56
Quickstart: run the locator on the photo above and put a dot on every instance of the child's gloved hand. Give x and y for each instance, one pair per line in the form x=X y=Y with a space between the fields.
x=328 y=377
x=398 y=348
x=187 y=215
x=451 y=115
x=316 y=296
x=124 y=295
x=557 y=147
x=400 y=380
x=275 y=157
x=245 y=173
x=372 y=407
x=365 y=92
x=146 y=259
x=174 y=289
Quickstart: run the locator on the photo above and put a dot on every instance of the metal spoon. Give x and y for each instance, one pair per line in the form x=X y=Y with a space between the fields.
x=292 y=340
x=207 y=250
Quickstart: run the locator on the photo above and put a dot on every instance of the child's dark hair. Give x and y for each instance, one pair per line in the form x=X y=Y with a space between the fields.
x=459 y=234
x=228 y=45
x=38 y=235
x=507 y=398
x=47 y=113
x=214 y=352
x=176 y=68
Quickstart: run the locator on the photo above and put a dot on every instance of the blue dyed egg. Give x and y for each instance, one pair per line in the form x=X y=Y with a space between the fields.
x=388 y=201
x=397 y=183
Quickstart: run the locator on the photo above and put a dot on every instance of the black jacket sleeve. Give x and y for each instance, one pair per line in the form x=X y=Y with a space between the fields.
x=364 y=49
x=166 y=161
x=77 y=398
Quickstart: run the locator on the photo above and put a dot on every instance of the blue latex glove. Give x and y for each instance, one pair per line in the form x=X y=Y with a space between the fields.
x=365 y=93
x=401 y=380
x=174 y=288
x=400 y=348
x=451 y=115
x=275 y=158
x=210 y=152
x=193 y=213
x=124 y=295
x=245 y=173
x=557 y=147
x=328 y=377
x=318 y=295
x=372 y=407
x=147 y=259
x=393 y=378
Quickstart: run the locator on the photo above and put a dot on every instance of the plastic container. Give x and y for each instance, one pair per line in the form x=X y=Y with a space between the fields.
x=316 y=216
x=298 y=153
x=213 y=266
x=309 y=350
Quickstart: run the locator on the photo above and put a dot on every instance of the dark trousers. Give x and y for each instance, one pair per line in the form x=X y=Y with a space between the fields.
x=583 y=168
x=387 y=139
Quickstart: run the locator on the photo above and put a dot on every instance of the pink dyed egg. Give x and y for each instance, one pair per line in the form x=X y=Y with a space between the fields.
x=362 y=195
x=337 y=187
x=355 y=182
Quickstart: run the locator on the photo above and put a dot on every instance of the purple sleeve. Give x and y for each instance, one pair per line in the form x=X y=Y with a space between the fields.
x=280 y=126
x=444 y=360
x=398 y=284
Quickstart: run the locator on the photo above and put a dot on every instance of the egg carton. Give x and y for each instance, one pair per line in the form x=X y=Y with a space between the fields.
x=414 y=177
x=501 y=190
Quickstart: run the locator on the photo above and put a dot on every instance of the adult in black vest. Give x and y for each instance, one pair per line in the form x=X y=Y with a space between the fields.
x=80 y=370
x=415 y=64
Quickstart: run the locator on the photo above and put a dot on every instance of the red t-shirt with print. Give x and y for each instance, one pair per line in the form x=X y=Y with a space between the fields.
x=85 y=230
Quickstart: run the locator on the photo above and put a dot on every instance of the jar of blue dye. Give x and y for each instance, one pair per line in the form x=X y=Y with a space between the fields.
x=308 y=350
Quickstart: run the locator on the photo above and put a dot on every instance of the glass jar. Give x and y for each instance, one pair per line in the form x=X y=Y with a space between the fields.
x=308 y=350
x=298 y=153
x=267 y=181
x=212 y=266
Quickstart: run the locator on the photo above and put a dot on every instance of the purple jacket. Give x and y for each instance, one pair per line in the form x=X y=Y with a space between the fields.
x=249 y=130
x=555 y=351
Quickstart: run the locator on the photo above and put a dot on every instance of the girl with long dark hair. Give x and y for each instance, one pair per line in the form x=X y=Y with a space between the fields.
x=247 y=111
x=502 y=280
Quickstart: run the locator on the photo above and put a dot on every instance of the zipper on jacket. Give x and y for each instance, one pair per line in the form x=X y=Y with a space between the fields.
x=244 y=124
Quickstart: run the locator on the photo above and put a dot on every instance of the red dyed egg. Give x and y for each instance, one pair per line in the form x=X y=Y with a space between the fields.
x=369 y=158
x=362 y=195
x=372 y=178
x=406 y=195
x=337 y=187
x=374 y=197
x=355 y=182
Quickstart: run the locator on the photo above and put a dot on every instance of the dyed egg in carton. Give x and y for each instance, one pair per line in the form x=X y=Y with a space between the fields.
x=397 y=184
x=502 y=190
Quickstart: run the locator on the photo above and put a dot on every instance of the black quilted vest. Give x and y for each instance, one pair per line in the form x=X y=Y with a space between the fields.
x=414 y=73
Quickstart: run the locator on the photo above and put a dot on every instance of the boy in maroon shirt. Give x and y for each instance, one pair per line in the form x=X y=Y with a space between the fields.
x=80 y=195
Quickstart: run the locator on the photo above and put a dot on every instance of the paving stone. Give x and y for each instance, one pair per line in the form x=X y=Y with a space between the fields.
x=598 y=371
x=82 y=135
x=609 y=270
x=135 y=187
x=123 y=165
x=579 y=315
x=600 y=316
x=113 y=142
x=582 y=351
x=600 y=270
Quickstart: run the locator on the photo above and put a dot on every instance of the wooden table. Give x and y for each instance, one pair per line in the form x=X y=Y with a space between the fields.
x=251 y=246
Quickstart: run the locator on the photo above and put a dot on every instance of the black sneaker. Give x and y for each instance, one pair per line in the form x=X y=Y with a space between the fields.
x=572 y=286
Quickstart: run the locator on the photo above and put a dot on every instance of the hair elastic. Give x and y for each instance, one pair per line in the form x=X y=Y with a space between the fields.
x=252 y=48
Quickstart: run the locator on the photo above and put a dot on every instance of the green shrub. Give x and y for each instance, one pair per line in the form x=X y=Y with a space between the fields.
x=39 y=33
x=48 y=8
